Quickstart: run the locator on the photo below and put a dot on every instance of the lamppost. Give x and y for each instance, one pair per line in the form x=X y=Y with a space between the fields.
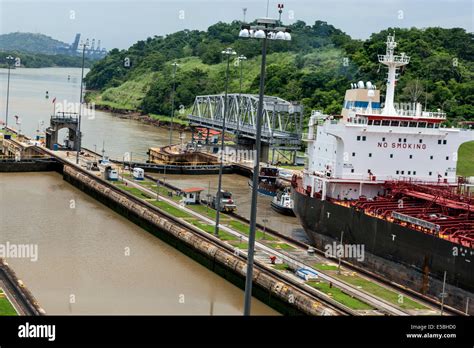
x=9 y=59
x=228 y=52
x=78 y=129
x=265 y=29
x=241 y=60
x=342 y=246
x=443 y=294
x=175 y=65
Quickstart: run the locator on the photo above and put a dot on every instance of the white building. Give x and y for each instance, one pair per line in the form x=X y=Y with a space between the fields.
x=192 y=195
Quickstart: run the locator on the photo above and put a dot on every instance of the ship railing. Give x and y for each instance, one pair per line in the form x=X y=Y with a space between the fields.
x=437 y=114
x=358 y=120
x=401 y=59
x=364 y=177
x=402 y=113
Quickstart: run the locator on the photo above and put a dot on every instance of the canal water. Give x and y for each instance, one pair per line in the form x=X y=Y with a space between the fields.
x=82 y=249
x=93 y=261
x=120 y=135
x=117 y=135
x=70 y=238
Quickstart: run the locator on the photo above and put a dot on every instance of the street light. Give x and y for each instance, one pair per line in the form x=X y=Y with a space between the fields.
x=265 y=29
x=342 y=246
x=78 y=129
x=175 y=65
x=241 y=60
x=9 y=59
x=228 y=52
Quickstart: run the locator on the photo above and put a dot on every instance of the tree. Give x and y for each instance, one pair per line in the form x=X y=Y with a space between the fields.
x=414 y=90
x=309 y=68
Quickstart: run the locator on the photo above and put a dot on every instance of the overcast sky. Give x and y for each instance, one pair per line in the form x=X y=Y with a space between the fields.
x=120 y=23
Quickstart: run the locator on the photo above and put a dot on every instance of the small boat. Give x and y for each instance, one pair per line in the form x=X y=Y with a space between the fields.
x=282 y=203
x=267 y=181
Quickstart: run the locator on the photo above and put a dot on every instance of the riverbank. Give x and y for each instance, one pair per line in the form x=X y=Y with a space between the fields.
x=131 y=113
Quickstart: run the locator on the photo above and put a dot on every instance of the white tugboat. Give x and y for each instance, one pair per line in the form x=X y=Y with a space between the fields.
x=282 y=203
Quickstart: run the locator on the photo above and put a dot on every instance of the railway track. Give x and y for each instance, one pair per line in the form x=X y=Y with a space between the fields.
x=333 y=304
x=326 y=300
x=380 y=305
x=370 y=275
x=336 y=307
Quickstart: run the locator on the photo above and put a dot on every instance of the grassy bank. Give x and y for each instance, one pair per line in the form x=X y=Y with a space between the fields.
x=381 y=292
x=6 y=308
x=340 y=296
x=466 y=159
x=128 y=96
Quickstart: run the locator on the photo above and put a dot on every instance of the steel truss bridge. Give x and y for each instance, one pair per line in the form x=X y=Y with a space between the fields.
x=281 y=124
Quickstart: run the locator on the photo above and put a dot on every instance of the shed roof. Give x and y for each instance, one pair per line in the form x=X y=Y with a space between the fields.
x=192 y=189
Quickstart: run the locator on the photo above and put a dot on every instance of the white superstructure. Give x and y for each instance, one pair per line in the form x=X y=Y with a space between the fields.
x=353 y=155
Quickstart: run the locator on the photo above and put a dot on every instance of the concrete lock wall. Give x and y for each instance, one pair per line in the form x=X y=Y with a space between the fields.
x=282 y=296
x=24 y=298
x=30 y=166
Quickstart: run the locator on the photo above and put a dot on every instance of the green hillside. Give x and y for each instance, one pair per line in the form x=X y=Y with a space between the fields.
x=315 y=68
x=36 y=51
x=466 y=159
x=39 y=60
x=29 y=42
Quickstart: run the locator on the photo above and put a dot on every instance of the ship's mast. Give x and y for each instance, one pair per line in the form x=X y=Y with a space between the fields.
x=393 y=62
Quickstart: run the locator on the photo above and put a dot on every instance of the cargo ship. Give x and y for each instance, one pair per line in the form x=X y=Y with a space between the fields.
x=384 y=176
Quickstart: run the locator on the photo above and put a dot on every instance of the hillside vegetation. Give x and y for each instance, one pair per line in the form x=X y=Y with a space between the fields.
x=466 y=159
x=39 y=60
x=29 y=42
x=36 y=51
x=315 y=68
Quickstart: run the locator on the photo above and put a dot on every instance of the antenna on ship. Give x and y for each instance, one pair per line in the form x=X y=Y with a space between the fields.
x=426 y=98
x=393 y=62
x=244 y=10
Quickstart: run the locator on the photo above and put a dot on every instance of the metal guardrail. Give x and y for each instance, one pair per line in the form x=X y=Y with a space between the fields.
x=172 y=167
x=276 y=137
x=415 y=221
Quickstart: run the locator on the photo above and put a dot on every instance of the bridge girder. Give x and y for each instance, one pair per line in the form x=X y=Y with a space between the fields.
x=281 y=124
